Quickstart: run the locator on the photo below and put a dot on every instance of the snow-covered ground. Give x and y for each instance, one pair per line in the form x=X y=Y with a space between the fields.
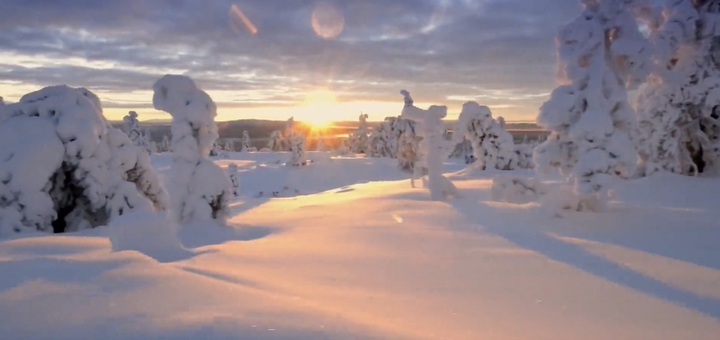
x=346 y=249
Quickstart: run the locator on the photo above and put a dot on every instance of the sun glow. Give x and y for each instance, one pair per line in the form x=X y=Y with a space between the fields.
x=320 y=108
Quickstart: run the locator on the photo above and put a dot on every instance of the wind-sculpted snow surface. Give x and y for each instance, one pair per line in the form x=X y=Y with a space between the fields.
x=200 y=189
x=64 y=168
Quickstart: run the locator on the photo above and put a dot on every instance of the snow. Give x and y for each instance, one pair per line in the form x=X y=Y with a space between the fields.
x=64 y=168
x=199 y=189
x=433 y=147
x=363 y=255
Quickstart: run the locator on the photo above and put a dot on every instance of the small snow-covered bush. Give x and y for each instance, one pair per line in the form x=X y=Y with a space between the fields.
x=64 y=168
x=200 y=189
x=493 y=147
x=433 y=146
x=234 y=178
x=516 y=189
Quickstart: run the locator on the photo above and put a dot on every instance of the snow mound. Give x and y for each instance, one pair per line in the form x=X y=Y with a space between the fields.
x=516 y=189
x=152 y=234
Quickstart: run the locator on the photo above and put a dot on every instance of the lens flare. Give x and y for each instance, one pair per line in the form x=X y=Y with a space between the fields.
x=327 y=21
x=237 y=19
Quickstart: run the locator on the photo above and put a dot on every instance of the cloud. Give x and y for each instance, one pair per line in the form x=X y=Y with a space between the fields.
x=438 y=49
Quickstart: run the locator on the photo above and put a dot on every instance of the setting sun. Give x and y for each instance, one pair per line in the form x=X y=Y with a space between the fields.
x=319 y=107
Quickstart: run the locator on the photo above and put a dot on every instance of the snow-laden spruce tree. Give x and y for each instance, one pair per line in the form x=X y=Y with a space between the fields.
x=297 y=149
x=377 y=144
x=360 y=141
x=234 y=178
x=246 y=141
x=64 y=168
x=132 y=129
x=524 y=155
x=408 y=144
x=433 y=146
x=229 y=146
x=164 y=145
x=275 y=143
x=493 y=147
x=501 y=122
x=200 y=190
x=679 y=127
x=601 y=54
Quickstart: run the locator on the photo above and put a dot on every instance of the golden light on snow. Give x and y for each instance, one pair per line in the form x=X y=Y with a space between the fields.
x=319 y=107
x=237 y=19
x=327 y=21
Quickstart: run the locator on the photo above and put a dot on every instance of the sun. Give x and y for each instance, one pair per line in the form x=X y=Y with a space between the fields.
x=320 y=107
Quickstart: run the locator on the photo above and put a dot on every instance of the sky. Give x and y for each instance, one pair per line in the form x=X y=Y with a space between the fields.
x=317 y=60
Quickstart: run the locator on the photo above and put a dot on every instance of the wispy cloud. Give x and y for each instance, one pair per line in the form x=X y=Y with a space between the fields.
x=440 y=50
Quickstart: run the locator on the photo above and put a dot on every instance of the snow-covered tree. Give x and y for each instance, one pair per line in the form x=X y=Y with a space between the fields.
x=378 y=142
x=601 y=54
x=132 y=129
x=407 y=144
x=297 y=149
x=216 y=150
x=200 y=189
x=276 y=141
x=493 y=147
x=165 y=144
x=229 y=146
x=501 y=122
x=234 y=178
x=433 y=146
x=678 y=109
x=524 y=155
x=153 y=147
x=246 y=141
x=64 y=168
x=147 y=141
x=359 y=140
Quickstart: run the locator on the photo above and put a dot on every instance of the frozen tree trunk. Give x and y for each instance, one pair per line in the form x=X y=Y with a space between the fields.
x=200 y=189
x=433 y=145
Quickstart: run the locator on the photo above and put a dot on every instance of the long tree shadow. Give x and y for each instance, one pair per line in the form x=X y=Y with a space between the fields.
x=535 y=239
